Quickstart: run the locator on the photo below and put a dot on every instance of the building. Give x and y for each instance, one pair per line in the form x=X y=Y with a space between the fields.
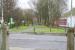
x=62 y=22
x=66 y=22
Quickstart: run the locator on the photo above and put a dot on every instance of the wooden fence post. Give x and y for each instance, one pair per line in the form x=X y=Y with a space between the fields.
x=70 y=39
x=4 y=37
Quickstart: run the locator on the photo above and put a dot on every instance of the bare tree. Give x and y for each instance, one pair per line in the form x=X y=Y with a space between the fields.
x=49 y=10
x=8 y=7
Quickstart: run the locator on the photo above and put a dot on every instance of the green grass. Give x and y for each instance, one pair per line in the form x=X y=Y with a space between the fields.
x=45 y=29
x=38 y=29
x=19 y=29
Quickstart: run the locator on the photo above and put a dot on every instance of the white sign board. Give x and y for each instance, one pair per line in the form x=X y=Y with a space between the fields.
x=71 y=21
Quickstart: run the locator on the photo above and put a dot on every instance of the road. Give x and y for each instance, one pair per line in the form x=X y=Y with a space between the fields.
x=38 y=41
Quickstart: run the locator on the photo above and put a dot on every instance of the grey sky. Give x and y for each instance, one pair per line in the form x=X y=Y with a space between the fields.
x=24 y=4
x=69 y=3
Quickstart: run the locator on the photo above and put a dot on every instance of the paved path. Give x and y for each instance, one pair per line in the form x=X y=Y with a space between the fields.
x=42 y=42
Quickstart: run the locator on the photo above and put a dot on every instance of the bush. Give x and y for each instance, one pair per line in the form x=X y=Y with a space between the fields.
x=12 y=25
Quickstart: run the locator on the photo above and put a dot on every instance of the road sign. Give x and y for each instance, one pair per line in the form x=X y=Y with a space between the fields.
x=71 y=21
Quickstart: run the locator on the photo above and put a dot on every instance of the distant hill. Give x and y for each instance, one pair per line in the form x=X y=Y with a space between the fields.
x=69 y=13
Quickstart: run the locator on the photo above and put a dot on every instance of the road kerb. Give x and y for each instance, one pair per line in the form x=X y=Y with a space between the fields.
x=19 y=48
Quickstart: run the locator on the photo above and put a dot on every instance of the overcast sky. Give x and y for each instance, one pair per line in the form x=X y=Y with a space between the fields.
x=24 y=4
x=69 y=3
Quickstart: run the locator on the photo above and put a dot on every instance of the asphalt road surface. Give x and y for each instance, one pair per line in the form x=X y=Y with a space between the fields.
x=38 y=41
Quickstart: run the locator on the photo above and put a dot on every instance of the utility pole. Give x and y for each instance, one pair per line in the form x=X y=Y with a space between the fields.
x=70 y=35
